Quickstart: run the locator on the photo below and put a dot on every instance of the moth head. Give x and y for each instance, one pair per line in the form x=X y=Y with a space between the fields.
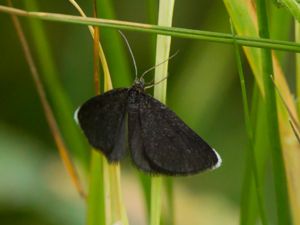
x=139 y=83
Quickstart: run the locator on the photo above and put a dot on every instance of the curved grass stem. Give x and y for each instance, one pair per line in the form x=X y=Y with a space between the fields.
x=164 y=30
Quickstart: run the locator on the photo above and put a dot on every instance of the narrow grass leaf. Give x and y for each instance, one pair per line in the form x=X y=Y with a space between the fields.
x=98 y=191
x=163 y=44
x=96 y=204
x=99 y=49
x=294 y=8
x=62 y=148
x=283 y=208
x=164 y=30
x=114 y=47
x=110 y=174
x=295 y=199
x=251 y=159
x=115 y=54
x=61 y=104
x=145 y=182
x=244 y=18
x=280 y=27
x=144 y=179
x=297 y=39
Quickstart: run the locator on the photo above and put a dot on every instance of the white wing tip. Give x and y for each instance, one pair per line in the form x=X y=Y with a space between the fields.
x=219 y=163
x=76 y=115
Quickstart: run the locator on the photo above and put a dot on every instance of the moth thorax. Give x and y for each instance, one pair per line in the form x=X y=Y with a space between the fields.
x=133 y=98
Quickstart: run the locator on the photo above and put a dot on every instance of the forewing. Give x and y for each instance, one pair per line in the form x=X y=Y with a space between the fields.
x=102 y=119
x=169 y=144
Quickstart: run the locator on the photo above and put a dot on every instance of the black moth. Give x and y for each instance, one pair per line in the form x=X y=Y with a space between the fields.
x=159 y=142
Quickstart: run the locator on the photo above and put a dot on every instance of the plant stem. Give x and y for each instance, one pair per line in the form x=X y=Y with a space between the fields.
x=55 y=131
x=297 y=39
x=293 y=7
x=96 y=207
x=98 y=183
x=155 y=202
x=163 y=44
x=251 y=152
x=59 y=100
x=109 y=176
x=171 y=31
x=283 y=207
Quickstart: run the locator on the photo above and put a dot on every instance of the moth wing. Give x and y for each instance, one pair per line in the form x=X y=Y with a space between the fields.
x=135 y=138
x=169 y=144
x=102 y=119
x=136 y=142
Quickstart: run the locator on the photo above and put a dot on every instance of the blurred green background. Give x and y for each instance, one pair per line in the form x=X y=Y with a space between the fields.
x=203 y=89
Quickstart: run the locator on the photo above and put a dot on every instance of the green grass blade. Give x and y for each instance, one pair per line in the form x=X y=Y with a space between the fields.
x=59 y=99
x=98 y=183
x=280 y=27
x=114 y=48
x=163 y=44
x=297 y=38
x=249 y=203
x=118 y=210
x=155 y=201
x=170 y=201
x=283 y=208
x=296 y=215
x=96 y=210
x=144 y=179
x=248 y=207
x=164 y=30
x=251 y=159
x=145 y=182
x=261 y=155
x=294 y=8
x=115 y=53
x=152 y=7
x=109 y=177
x=244 y=18
x=245 y=25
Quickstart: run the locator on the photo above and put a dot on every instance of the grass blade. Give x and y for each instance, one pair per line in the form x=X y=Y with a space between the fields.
x=295 y=200
x=97 y=49
x=114 y=47
x=163 y=45
x=108 y=176
x=244 y=19
x=62 y=148
x=164 y=30
x=283 y=209
x=98 y=183
x=297 y=39
x=155 y=201
x=96 y=202
x=251 y=159
x=249 y=204
x=144 y=179
x=61 y=104
x=115 y=53
x=293 y=7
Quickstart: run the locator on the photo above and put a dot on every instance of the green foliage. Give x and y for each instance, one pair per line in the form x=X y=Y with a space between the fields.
x=202 y=89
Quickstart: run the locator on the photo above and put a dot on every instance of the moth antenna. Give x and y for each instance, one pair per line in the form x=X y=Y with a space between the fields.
x=150 y=82
x=131 y=53
x=153 y=67
x=152 y=85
